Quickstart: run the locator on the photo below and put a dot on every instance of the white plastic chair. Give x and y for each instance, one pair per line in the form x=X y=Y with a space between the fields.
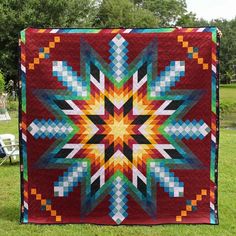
x=8 y=147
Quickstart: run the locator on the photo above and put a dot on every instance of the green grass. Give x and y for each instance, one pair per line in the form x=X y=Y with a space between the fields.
x=228 y=105
x=10 y=126
x=10 y=200
x=228 y=93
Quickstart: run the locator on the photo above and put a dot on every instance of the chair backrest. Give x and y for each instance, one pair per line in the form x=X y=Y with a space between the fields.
x=2 y=151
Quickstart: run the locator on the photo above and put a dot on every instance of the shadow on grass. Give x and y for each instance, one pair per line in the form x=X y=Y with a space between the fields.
x=10 y=213
x=8 y=164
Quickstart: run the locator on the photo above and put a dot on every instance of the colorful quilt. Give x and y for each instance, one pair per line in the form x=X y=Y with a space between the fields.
x=119 y=126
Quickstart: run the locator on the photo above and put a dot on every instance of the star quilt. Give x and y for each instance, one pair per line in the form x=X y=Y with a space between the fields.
x=119 y=126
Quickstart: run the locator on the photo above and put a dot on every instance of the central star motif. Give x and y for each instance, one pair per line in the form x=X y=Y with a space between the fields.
x=118 y=125
x=119 y=129
x=121 y=126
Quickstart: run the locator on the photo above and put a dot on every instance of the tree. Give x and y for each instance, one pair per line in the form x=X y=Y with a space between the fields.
x=16 y=15
x=188 y=19
x=1 y=83
x=227 y=49
x=123 y=13
x=167 y=11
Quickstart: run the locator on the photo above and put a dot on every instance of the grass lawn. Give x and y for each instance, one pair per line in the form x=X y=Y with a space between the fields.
x=228 y=93
x=10 y=200
x=228 y=100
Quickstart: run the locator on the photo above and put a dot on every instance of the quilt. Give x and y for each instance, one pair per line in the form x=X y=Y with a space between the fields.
x=119 y=126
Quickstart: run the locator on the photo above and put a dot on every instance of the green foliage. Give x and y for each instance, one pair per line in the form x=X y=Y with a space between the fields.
x=12 y=105
x=124 y=13
x=227 y=49
x=188 y=19
x=2 y=83
x=16 y=15
x=167 y=11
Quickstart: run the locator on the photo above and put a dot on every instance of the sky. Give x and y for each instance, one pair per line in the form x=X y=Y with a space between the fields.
x=212 y=9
